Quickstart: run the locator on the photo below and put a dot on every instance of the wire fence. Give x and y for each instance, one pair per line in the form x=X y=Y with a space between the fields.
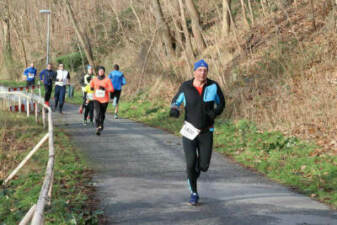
x=34 y=104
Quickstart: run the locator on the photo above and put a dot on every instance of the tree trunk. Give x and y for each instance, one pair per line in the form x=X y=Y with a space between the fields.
x=163 y=28
x=20 y=38
x=226 y=17
x=7 y=70
x=196 y=27
x=263 y=6
x=188 y=48
x=243 y=9
x=179 y=33
x=136 y=15
x=86 y=46
x=251 y=12
x=313 y=21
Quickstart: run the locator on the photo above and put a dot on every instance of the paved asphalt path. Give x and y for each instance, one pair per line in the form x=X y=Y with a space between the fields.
x=140 y=179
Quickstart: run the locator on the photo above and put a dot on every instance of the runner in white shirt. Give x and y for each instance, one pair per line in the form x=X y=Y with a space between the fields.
x=62 y=79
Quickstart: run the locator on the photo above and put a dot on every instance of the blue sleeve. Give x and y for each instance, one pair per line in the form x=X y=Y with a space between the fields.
x=123 y=80
x=34 y=71
x=179 y=98
x=110 y=76
x=41 y=75
x=25 y=72
x=220 y=101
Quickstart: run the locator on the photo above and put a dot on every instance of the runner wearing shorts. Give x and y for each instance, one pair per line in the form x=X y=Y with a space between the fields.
x=30 y=74
x=118 y=80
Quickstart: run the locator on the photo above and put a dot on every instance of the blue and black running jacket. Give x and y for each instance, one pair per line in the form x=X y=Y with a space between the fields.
x=200 y=110
x=48 y=76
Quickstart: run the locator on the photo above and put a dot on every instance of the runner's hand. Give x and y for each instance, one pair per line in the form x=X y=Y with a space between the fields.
x=211 y=114
x=174 y=113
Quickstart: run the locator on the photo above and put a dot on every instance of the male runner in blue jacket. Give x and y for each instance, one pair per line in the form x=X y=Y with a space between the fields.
x=118 y=80
x=203 y=101
x=30 y=74
x=48 y=76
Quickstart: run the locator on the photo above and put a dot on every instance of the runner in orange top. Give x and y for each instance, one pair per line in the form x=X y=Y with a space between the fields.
x=102 y=87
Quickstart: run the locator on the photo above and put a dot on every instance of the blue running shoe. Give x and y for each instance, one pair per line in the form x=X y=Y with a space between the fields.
x=194 y=199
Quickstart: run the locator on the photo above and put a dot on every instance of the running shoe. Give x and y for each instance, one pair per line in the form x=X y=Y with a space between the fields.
x=98 y=131
x=85 y=123
x=194 y=199
x=116 y=116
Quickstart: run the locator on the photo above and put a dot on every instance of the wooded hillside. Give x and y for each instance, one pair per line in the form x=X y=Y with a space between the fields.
x=274 y=59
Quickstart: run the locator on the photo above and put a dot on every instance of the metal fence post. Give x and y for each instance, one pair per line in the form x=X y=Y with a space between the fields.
x=27 y=106
x=44 y=117
x=36 y=109
x=19 y=103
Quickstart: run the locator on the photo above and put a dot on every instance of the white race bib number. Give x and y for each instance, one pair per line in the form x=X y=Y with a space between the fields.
x=30 y=75
x=90 y=96
x=100 y=93
x=189 y=131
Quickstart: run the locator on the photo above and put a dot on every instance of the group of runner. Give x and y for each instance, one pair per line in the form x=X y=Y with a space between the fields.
x=97 y=90
x=48 y=76
x=202 y=98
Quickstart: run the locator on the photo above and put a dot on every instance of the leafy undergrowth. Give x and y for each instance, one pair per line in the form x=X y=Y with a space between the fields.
x=72 y=199
x=287 y=160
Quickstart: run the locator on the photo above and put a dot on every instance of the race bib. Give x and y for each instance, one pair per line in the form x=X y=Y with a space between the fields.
x=90 y=96
x=189 y=131
x=30 y=75
x=100 y=93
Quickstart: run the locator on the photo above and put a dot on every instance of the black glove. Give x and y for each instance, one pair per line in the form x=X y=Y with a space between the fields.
x=91 y=88
x=211 y=114
x=102 y=88
x=174 y=113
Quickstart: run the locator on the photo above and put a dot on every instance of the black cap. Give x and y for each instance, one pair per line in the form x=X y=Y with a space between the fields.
x=101 y=68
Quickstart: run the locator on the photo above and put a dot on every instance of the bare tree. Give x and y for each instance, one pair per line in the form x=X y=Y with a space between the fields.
x=243 y=9
x=226 y=17
x=163 y=28
x=189 y=49
x=86 y=46
x=251 y=12
x=175 y=17
x=313 y=21
x=6 y=47
x=136 y=15
x=196 y=26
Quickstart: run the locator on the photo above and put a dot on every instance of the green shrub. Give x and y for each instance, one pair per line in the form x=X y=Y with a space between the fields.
x=72 y=61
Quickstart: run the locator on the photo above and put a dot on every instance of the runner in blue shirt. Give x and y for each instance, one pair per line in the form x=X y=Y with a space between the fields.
x=118 y=80
x=30 y=74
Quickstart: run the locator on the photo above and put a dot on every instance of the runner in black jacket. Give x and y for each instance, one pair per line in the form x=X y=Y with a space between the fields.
x=203 y=101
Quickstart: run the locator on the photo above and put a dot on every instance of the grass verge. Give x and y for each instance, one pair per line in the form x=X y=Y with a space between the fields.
x=287 y=160
x=72 y=199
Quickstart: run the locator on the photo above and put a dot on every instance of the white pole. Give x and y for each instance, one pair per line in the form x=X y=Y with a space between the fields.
x=27 y=108
x=19 y=103
x=38 y=215
x=30 y=154
x=36 y=108
x=28 y=217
